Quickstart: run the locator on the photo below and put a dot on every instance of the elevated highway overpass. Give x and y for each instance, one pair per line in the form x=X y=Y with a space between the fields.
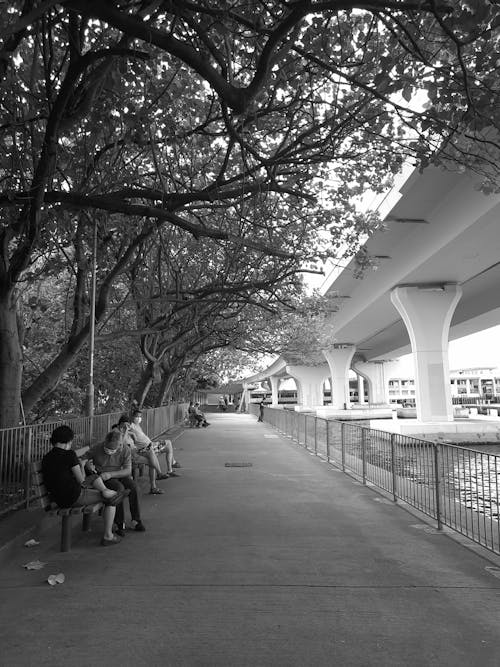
x=441 y=231
x=434 y=275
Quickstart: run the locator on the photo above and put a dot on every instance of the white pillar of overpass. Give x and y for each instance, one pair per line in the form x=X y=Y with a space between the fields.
x=377 y=374
x=339 y=360
x=275 y=385
x=427 y=311
x=361 y=389
x=244 y=400
x=309 y=380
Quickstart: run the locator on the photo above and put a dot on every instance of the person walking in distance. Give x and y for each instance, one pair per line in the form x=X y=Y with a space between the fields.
x=261 y=410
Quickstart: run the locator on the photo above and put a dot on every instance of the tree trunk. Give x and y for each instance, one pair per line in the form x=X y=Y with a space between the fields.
x=49 y=378
x=165 y=388
x=143 y=386
x=11 y=362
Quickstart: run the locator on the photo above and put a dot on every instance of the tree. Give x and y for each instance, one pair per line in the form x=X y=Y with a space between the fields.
x=235 y=123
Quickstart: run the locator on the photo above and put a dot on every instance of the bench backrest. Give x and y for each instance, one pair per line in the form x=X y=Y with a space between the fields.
x=36 y=482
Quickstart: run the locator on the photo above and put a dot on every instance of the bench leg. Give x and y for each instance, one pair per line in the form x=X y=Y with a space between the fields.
x=86 y=522
x=66 y=533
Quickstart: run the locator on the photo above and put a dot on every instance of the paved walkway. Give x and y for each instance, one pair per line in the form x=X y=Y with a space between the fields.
x=285 y=563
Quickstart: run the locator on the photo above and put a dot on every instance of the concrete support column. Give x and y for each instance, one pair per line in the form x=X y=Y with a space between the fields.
x=361 y=389
x=427 y=311
x=275 y=385
x=377 y=374
x=339 y=360
x=244 y=400
x=309 y=380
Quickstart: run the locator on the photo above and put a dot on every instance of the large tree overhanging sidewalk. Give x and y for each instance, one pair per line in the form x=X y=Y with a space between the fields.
x=256 y=125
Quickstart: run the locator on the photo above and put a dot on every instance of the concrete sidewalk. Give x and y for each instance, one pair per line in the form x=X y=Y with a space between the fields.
x=287 y=562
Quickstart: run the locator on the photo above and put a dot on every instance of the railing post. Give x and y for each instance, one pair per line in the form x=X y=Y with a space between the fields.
x=393 y=468
x=342 y=443
x=437 y=477
x=327 y=440
x=305 y=430
x=315 y=435
x=27 y=464
x=363 y=453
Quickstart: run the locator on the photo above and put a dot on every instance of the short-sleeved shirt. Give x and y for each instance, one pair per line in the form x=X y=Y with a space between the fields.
x=140 y=438
x=120 y=459
x=63 y=487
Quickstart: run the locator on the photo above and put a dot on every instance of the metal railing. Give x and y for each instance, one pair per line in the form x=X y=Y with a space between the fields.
x=456 y=486
x=21 y=445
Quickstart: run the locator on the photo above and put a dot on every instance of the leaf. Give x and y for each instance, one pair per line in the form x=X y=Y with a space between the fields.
x=34 y=565
x=31 y=543
x=407 y=93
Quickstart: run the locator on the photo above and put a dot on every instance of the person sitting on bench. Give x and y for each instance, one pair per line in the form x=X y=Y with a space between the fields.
x=64 y=478
x=141 y=455
x=159 y=446
x=199 y=416
x=113 y=461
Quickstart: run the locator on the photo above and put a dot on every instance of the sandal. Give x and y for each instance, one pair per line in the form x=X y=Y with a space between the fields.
x=163 y=475
x=155 y=492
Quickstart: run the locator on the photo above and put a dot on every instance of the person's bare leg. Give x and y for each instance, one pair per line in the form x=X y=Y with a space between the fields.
x=108 y=516
x=153 y=461
x=100 y=486
x=169 y=455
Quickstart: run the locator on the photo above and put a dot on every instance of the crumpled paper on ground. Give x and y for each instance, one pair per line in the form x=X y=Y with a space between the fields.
x=56 y=579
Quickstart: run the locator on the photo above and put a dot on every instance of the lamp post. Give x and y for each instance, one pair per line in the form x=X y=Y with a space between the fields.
x=90 y=386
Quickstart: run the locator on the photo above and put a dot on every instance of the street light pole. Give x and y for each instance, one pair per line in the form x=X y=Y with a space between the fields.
x=90 y=387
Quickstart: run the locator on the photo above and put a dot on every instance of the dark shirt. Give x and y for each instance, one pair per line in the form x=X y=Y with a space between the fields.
x=63 y=487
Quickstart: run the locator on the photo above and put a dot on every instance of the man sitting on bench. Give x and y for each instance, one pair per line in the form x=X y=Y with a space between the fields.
x=159 y=447
x=67 y=485
x=141 y=454
x=113 y=461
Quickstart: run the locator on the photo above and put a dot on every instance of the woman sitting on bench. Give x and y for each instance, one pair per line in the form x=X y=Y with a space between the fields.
x=63 y=475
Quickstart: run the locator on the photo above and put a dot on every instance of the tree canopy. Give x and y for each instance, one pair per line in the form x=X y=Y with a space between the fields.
x=237 y=135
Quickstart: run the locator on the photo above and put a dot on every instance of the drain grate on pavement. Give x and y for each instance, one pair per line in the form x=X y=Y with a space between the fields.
x=238 y=465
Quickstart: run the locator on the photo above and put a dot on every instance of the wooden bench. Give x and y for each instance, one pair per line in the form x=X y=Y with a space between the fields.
x=43 y=499
x=137 y=470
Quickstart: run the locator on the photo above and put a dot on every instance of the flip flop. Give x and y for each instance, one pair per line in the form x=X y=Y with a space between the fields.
x=155 y=492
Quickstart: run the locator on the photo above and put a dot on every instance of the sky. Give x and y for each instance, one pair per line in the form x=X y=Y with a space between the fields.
x=479 y=349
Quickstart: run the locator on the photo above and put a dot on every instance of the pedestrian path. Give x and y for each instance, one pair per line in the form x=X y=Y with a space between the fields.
x=259 y=554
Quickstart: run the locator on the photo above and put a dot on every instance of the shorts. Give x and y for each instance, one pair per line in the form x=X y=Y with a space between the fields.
x=88 y=496
x=141 y=456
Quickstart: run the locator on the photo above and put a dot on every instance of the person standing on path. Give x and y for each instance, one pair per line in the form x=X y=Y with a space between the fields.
x=261 y=410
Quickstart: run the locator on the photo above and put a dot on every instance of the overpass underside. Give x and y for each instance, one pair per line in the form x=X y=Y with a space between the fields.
x=434 y=275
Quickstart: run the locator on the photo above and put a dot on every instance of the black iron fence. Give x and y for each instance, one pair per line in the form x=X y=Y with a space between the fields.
x=21 y=445
x=456 y=486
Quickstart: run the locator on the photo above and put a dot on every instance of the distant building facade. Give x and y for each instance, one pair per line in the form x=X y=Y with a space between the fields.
x=467 y=385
